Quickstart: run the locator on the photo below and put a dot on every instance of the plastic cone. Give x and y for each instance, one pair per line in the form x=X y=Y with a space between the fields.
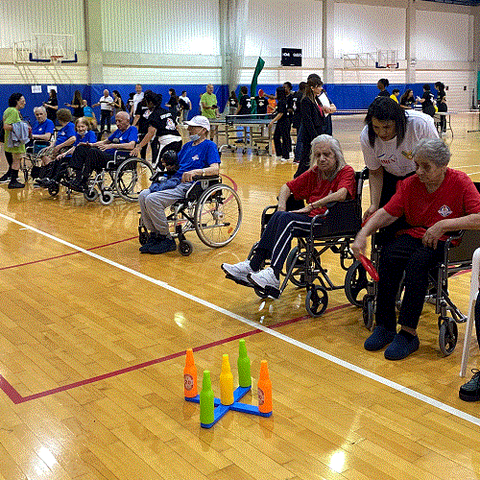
x=226 y=382
x=190 y=388
x=207 y=400
x=244 y=375
x=264 y=389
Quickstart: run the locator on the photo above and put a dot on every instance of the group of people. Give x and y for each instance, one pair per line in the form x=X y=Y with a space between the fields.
x=430 y=105
x=308 y=111
x=414 y=197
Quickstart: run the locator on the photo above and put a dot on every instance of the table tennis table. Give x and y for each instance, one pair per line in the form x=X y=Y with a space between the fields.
x=245 y=132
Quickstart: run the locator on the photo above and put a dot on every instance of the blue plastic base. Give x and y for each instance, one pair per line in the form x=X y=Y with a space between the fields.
x=236 y=406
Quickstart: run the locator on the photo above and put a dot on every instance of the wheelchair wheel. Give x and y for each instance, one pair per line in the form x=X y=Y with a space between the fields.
x=355 y=282
x=316 y=301
x=218 y=215
x=297 y=277
x=185 y=248
x=106 y=198
x=53 y=189
x=448 y=335
x=368 y=310
x=132 y=176
x=91 y=194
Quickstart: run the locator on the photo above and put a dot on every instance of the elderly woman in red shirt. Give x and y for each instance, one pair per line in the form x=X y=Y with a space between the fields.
x=328 y=179
x=435 y=200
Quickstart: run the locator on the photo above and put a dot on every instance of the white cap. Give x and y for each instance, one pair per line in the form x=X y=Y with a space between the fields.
x=199 y=121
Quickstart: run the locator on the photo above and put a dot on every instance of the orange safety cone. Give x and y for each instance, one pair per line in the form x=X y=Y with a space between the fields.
x=264 y=389
x=190 y=388
x=226 y=382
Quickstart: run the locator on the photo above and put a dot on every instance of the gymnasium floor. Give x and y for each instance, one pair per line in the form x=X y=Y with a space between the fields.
x=93 y=336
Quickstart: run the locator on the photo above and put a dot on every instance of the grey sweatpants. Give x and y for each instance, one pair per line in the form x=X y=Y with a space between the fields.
x=153 y=205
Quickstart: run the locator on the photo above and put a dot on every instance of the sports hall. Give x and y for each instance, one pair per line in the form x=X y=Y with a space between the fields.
x=93 y=333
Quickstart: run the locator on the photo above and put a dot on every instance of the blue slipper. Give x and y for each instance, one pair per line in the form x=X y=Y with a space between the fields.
x=379 y=338
x=401 y=347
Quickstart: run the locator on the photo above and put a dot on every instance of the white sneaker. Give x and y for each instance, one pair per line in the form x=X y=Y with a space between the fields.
x=266 y=280
x=238 y=272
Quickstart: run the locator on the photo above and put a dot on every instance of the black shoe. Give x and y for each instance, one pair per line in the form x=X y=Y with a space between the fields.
x=164 y=246
x=15 y=184
x=153 y=238
x=470 y=391
x=380 y=338
x=5 y=178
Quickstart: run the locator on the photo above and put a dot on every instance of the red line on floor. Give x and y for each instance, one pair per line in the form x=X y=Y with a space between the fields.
x=65 y=254
x=16 y=398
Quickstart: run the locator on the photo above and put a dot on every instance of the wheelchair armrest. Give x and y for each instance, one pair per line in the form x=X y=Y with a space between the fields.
x=206 y=177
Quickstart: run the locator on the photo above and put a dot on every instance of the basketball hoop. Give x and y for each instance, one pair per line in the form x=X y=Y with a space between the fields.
x=56 y=59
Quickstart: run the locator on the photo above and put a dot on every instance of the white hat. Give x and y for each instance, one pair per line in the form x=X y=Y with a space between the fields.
x=199 y=121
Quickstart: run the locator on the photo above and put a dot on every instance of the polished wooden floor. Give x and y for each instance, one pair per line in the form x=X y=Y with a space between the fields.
x=92 y=334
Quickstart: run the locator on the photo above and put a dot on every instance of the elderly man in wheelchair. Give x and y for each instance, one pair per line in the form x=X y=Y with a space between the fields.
x=95 y=156
x=435 y=201
x=197 y=158
x=328 y=179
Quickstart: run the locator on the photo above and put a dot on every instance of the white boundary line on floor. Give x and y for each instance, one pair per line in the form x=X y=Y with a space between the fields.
x=354 y=368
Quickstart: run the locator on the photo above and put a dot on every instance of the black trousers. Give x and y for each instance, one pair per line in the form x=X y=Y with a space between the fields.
x=87 y=159
x=409 y=255
x=105 y=120
x=282 y=139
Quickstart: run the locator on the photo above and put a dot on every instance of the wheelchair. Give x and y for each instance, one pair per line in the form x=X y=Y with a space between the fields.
x=334 y=230
x=457 y=257
x=123 y=177
x=210 y=207
x=30 y=163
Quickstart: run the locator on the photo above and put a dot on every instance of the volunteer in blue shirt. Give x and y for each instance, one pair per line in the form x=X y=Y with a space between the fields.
x=94 y=156
x=197 y=158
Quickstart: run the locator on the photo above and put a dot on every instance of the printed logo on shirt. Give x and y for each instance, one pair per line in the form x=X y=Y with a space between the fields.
x=170 y=124
x=386 y=161
x=444 y=211
x=408 y=155
x=195 y=157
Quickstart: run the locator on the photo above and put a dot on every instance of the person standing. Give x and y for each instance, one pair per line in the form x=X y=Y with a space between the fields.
x=262 y=103
x=232 y=103
x=106 y=111
x=209 y=107
x=442 y=106
x=312 y=120
x=427 y=101
x=328 y=108
x=185 y=105
x=137 y=98
x=297 y=116
x=76 y=105
x=382 y=85
x=173 y=104
x=11 y=115
x=281 y=136
x=52 y=105
x=245 y=102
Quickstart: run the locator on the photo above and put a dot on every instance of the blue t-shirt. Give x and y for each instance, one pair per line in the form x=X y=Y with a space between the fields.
x=89 y=137
x=42 y=128
x=129 y=135
x=88 y=112
x=192 y=157
x=65 y=133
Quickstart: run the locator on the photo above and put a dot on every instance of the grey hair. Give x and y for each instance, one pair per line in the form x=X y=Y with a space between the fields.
x=336 y=148
x=40 y=109
x=433 y=149
x=123 y=114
